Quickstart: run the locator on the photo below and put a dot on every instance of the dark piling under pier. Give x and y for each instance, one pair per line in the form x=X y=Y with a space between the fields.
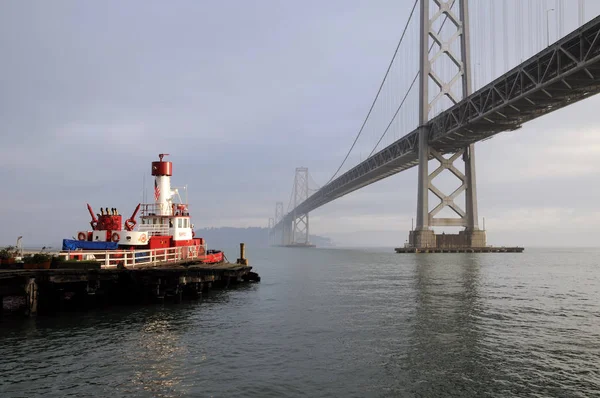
x=49 y=290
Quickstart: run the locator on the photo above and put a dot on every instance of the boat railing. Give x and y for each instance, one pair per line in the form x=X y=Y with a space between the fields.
x=158 y=209
x=155 y=229
x=138 y=258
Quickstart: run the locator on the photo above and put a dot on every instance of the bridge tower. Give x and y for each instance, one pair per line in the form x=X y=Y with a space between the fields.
x=445 y=79
x=271 y=231
x=278 y=233
x=300 y=231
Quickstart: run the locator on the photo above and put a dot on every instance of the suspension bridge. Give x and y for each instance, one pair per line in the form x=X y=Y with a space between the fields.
x=452 y=47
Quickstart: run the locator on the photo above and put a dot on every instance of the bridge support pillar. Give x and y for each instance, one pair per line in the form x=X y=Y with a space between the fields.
x=287 y=236
x=476 y=238
x=278 y=230
x=450 y=50
x=300 y=230
x=271 y=232
x=422 y=238
x=300 y=226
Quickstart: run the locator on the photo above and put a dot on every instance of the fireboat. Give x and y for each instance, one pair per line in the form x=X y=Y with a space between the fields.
x=165 y=233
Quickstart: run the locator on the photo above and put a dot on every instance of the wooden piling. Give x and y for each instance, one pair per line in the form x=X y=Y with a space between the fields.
x=31 y=290
x=47 y=290
x=242 y=260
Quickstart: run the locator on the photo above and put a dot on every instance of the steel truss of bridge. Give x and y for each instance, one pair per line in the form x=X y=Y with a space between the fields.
x=563 y=73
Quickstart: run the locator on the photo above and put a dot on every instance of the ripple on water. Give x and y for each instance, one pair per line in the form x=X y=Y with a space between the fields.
x=335 y=323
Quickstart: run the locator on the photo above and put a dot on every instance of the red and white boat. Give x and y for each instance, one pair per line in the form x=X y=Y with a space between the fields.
x=165 y=233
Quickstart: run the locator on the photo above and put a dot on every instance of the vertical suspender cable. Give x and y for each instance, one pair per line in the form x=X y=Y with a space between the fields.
x=378 y=92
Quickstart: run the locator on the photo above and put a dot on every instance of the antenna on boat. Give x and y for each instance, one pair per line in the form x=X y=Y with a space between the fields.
x=20 y=245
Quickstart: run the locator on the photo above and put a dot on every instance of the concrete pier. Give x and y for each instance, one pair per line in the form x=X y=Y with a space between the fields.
x=297 y=245
x=467 y=241
x=48 y=290
x=489 y=249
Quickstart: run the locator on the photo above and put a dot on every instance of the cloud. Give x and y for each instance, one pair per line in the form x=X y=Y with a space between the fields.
x=240 y=94
x=557 y=153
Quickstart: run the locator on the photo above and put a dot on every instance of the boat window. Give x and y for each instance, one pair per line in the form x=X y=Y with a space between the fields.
x=185 y=223
x=154 y=221
x=179 y=223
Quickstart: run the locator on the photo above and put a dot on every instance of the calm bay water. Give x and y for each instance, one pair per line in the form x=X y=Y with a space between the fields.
x=335 y=323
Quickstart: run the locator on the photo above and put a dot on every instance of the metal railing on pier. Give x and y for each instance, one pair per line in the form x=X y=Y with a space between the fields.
x=138 y=258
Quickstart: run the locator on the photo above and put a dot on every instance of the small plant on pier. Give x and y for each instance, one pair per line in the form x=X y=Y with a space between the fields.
x=37 y=261
x=38 y=258
x=8 y=253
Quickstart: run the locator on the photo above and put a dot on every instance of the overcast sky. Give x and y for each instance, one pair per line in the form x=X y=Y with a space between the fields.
x=240 y=93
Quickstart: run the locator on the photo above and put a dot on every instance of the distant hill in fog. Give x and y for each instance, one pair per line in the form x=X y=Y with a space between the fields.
x=216 y=238
x=253 y=236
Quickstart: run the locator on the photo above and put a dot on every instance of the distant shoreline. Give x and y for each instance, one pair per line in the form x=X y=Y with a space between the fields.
x=215 y=237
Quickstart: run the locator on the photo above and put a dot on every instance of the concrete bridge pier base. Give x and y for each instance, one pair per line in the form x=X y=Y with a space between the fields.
x=422 y=238
x=464 y=239
x=475 y=238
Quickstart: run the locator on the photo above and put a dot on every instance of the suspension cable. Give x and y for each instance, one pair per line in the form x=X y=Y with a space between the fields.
x=378 y=92
x=311 y=179
x=407 y=92
x=395 y=114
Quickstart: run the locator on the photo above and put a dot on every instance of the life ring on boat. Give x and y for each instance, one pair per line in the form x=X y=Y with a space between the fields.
x=115 y=237
x=81 y=236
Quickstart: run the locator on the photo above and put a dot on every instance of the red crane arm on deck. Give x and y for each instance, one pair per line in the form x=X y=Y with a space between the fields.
x=94 y=222
x=130 y=222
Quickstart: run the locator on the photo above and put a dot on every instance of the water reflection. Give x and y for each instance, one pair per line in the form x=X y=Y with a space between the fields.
x=157 y=357
x=353 y=324
x=446 y=343
x=149 y=359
